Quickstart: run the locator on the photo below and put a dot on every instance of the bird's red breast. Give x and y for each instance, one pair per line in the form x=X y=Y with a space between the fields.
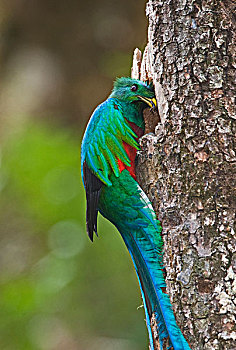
x=131 y=151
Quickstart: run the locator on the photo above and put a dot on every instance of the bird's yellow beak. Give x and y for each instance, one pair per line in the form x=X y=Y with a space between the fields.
x=151 y=102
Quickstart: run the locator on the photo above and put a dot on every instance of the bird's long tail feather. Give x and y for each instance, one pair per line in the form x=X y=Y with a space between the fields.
x=156 y=302
x=134 y=217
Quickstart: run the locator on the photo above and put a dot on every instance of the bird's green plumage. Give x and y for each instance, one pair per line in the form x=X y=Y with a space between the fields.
x=108 y=151
x=106 y=132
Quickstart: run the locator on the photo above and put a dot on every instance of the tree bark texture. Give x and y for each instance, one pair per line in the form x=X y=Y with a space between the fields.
x=187 y=165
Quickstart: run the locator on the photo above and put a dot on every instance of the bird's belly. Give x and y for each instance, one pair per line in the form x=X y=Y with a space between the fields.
x=131 y=152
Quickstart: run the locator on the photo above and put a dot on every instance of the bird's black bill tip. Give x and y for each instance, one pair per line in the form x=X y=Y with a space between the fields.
x=154 y=106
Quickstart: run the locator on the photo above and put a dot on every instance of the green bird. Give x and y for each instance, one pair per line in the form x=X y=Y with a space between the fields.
x=108 y=153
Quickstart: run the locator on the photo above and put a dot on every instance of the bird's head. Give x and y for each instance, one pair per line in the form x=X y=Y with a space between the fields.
x=133 y=90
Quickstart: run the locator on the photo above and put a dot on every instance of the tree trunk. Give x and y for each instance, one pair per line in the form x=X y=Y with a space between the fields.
x=186 y=166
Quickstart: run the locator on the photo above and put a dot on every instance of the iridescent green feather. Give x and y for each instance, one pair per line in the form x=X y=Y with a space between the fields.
x=129 y=210
x=141 y=233
x=110 y=123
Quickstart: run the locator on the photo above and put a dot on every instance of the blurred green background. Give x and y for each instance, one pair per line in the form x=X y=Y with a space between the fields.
x=58 y=290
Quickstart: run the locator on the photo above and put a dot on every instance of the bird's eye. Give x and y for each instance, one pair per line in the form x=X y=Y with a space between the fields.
x=134 y=87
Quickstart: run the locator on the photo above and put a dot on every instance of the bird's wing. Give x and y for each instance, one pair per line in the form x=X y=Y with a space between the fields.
x=92 y=187
x=101 y=147
x=103 y=141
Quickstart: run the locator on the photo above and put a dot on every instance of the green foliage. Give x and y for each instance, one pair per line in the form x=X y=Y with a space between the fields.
x=57 y=287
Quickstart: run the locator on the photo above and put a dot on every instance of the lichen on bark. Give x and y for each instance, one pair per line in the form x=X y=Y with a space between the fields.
x=187 y=163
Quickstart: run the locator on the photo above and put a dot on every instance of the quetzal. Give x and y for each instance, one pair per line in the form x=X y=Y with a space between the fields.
x=108 y=153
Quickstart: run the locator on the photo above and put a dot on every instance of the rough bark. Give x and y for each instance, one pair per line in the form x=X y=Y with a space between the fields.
x=187 y=166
